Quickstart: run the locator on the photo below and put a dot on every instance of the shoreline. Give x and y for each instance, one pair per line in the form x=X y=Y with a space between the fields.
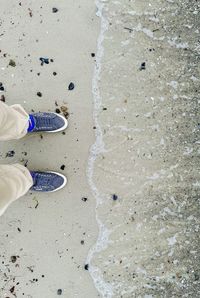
x=97 y=148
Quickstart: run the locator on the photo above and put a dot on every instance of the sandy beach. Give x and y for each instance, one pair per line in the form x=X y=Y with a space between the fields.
x=127 y=224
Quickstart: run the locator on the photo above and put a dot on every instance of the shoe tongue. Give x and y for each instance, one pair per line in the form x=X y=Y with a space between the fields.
x=42 y=121
x=40 y=180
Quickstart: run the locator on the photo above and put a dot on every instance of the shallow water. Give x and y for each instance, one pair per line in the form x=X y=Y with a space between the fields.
x=145 y=109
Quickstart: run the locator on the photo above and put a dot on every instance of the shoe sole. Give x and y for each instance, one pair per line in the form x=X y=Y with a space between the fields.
x=62 y=186
x=62 y=128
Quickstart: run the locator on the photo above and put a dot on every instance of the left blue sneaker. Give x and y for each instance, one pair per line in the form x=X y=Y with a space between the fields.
x=48 y=122
x=47 y=181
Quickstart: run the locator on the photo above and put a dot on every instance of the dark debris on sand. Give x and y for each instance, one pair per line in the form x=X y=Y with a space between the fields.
x=59 y=292
x=54 y=9
x=143 y=66
x=1 y=87
x=71 y=86
x=2 y=98
x=10 y=153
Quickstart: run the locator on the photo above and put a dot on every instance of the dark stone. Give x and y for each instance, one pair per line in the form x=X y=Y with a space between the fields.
x=12 y=63
x=39 y=94
x=93 y=54
x=143 y=66
x=84 y=199
x=86 y=266
x=12 y=289
x=44 y=60
x=2 y=98
x=1 y=87
x=13 y=259
x=54 y=9
x=10 y=153
x=59 y=292
x=114 y=197
x=71 y=86
x=62 y=167
x=58 y=111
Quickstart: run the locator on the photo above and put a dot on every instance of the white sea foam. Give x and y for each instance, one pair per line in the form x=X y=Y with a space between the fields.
x=97 y=148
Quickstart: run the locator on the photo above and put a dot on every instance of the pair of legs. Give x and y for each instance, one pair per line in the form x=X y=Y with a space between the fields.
x=16 y=180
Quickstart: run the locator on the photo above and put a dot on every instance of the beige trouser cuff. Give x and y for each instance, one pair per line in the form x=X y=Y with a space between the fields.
x=15 y=181
x=13 y=122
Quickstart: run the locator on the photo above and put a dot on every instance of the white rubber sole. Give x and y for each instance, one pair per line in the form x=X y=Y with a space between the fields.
x=64 y=183
x=63 y=127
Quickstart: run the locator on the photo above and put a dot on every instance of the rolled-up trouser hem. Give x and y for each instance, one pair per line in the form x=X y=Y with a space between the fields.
x=15 y=181
x=14 y=122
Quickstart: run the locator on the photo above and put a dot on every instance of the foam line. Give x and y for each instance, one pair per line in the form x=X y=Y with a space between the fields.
x=97 y=148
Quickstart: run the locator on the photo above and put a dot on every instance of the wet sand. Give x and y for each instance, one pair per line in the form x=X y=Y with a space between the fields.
x=146 y=173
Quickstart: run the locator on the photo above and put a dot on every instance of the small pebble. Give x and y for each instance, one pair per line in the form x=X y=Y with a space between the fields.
x=39 y=94
x=2 y=98
x=143 y=66
x=44 y=60
x=86 y=266
x=12 y=63
x=93 y=54
x=13 y=259
x=84 y=199
x=58 y=111
x=54 y=9
x=1 y=87
x=114 y=197
x=10 y=153
x=54 y=73
x=62 y=167
x=59 y=292
x=12 y=289
x=71 y=86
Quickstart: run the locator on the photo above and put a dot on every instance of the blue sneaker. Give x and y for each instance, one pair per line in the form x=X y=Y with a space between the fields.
x=47 y=181
x=48 y=122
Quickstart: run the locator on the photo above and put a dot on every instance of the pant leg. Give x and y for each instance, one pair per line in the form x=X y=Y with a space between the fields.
x=13 y=122
x=15 y=181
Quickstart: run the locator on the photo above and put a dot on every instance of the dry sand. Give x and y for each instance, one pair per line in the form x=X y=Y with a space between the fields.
x=47 y=239
x=141 y=171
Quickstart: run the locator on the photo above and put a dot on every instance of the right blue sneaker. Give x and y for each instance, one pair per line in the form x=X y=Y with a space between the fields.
x=48 y=122
x=47 y=181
